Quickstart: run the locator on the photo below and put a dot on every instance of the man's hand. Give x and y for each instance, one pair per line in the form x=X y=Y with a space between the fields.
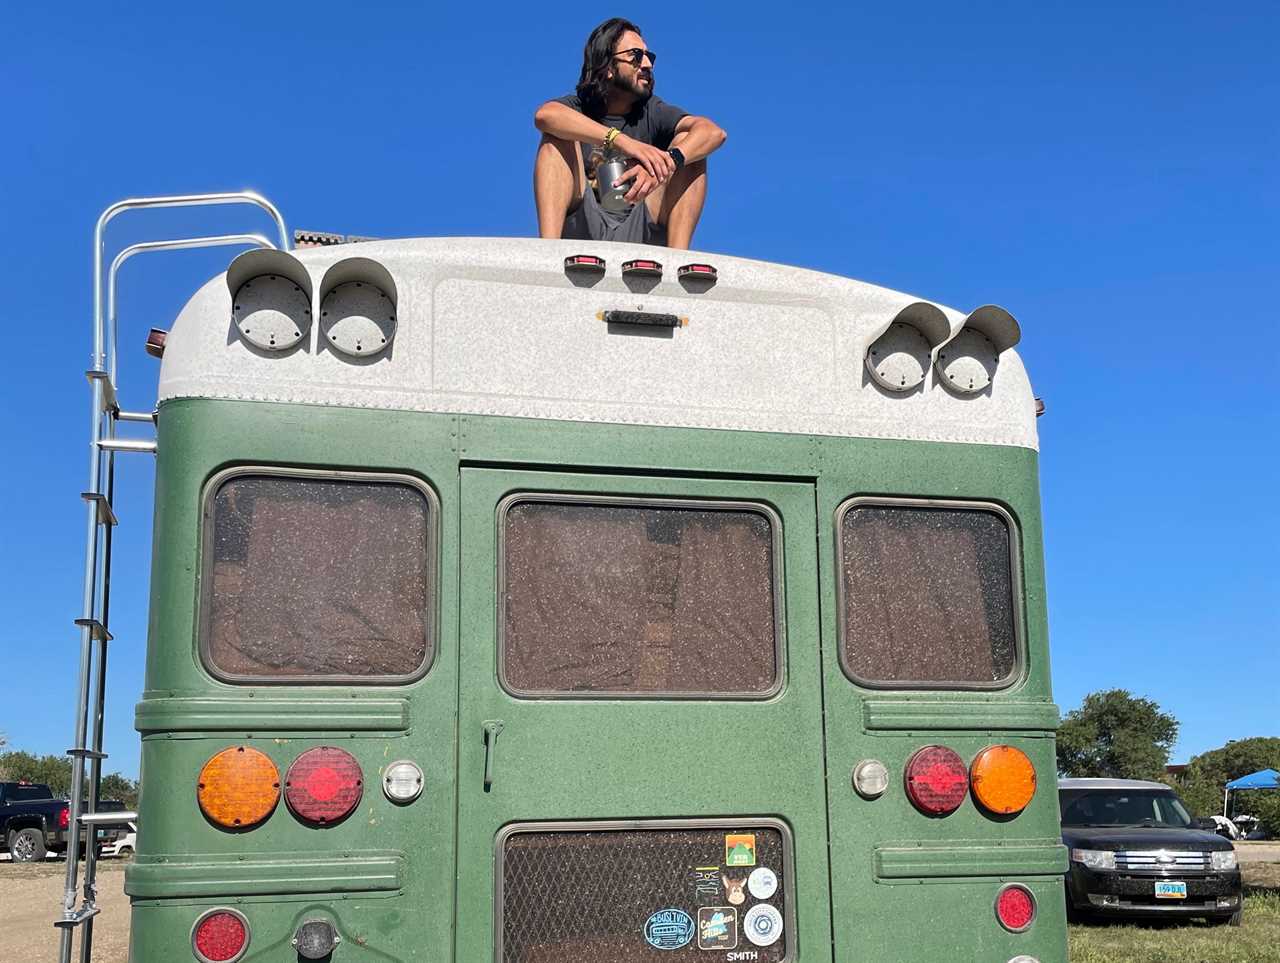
x=657 y=163
x=643 y=183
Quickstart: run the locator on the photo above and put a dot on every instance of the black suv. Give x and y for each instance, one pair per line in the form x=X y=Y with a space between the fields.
x=1136 y=851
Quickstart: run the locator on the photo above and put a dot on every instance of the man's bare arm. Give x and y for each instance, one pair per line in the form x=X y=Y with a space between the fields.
x=566 y=123
x=697 y=137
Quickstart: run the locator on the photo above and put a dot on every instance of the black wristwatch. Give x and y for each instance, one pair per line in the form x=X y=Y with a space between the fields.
x=677 y=155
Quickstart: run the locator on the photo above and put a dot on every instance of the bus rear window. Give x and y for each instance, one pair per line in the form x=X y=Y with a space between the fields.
x=609 y=598
x=927 y=595
x=316 y=578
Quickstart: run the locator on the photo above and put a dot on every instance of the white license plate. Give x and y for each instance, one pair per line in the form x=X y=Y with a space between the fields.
x=1171 y=890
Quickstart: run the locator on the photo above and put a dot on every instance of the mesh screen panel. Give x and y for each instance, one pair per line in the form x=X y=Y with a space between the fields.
x=317 y=577
x=587 y=897
x=634 y=598
x=928 y=595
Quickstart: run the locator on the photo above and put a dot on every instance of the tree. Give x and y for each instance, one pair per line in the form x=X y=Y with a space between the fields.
x=116 y=786
x=55 y=772
x=1116 y=734
x=1208 y=773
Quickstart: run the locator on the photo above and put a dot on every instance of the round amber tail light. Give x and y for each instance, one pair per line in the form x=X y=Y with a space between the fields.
x=937 y=780
x=1003 y=779
x=324 y=785
x=238 y=788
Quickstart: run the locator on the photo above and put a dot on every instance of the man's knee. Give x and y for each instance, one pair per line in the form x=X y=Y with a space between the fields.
x=550 y=146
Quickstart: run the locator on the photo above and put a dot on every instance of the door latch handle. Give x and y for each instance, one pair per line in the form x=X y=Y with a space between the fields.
x=492 y=728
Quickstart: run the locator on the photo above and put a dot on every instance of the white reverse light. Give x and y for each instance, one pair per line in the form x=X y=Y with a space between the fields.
x=870 y=778
x=402 y=781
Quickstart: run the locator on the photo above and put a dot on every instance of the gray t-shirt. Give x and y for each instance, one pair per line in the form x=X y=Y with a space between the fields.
x=652 y=122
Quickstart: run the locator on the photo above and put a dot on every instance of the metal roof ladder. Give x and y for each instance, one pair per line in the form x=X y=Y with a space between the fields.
x=105 y=414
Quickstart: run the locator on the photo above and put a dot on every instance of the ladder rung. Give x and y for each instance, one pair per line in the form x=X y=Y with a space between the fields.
x=127 y=444
x=106 y=516
x=109 y=401
x=79 y=916
x=93 y=819
x=86 y=753
x=96 y=629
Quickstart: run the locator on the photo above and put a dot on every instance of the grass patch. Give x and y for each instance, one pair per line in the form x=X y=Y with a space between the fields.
x=1191 y=941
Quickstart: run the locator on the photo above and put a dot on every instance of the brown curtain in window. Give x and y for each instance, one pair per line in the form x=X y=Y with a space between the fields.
x=316 y=577
x=636 y=599
x=927 y=595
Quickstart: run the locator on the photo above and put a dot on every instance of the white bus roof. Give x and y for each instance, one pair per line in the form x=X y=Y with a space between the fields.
x=495 y=326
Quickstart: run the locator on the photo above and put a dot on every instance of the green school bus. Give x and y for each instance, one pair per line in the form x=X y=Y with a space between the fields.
x=543 y=601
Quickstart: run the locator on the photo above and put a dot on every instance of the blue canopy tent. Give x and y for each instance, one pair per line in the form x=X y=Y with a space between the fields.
x=1263 y=779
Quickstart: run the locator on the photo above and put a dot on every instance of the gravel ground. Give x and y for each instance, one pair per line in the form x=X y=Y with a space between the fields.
x=30 y=899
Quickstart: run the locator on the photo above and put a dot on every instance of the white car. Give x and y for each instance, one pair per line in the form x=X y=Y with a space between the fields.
x=125 y=846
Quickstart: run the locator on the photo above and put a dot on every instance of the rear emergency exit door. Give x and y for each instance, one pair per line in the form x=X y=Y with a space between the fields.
x=640 y=757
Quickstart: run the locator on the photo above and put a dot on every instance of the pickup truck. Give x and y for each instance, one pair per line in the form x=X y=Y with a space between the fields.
x=33 y=822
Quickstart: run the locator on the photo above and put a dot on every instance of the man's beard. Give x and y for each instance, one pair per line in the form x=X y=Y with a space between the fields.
x=639 y=92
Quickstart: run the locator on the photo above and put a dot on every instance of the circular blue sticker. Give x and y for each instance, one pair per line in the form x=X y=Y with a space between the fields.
x=668 y=929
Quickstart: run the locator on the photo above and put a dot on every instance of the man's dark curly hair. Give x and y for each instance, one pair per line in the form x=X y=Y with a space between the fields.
x=597 y=58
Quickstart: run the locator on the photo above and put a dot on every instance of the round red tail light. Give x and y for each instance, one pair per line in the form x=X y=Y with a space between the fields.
x=937 y=780
x=220 y=936
x=1015 y=908
x=324 y=785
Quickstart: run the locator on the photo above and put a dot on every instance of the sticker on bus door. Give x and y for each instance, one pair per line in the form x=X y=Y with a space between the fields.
x=717 y=928
x=740 y=849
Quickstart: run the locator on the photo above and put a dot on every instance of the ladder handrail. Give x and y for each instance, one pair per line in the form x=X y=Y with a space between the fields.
x=170 y=200
x=173 y=244
x=95 y=601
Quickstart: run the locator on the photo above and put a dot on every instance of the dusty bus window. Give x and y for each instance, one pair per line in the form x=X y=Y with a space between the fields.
x=638 y=599
x=927 y=595
x=318 y=578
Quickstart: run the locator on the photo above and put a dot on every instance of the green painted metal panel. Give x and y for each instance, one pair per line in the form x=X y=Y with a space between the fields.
x=202 y=713
x=263 y=876
x=948 y=713
x=1047 y=858
x=602 y=759
x=187 y=716
x=891 y=725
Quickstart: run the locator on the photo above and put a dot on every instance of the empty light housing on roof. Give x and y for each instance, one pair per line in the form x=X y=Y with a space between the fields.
x=358 y=307
x=270 y=299
x=898 y=359
x=967 y=363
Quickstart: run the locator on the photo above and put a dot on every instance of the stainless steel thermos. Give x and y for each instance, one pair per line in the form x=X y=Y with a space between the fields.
x=610 y=169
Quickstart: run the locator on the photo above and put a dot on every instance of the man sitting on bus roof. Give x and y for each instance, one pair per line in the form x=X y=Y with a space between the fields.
x=614 y=112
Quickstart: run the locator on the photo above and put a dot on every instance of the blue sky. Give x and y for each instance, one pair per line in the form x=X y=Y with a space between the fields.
x=1106 y=171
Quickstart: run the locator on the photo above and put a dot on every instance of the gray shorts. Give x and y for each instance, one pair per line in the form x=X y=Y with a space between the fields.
x=591 y=222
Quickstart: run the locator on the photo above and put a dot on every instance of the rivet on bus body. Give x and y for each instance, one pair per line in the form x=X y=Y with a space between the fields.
x=870 y=778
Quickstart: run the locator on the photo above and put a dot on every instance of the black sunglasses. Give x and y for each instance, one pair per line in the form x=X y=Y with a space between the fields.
x=636 y=55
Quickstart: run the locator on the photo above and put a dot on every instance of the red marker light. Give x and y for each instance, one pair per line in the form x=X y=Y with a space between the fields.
x=586 y=263
x=323 y=785
x=221 y=936
x=1015 y=908
x=937 y=780
x=643 y=267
